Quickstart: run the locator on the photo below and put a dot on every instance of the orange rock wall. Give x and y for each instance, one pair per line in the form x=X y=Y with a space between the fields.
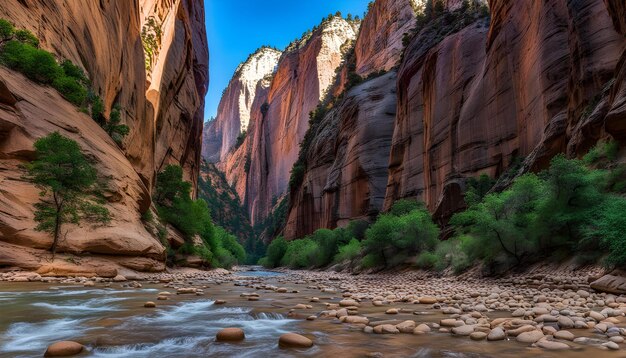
x=163 y=108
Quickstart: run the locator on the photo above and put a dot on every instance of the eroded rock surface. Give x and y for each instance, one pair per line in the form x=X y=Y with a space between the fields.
x=163 y=106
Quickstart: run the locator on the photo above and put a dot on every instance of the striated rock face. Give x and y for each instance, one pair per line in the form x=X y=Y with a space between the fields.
x=539 y=79
x=473 y=102
x=162 y=106
x=349 y=156
x=233 y=115
x=177 y=83
x=379 y=45
x=304 y=74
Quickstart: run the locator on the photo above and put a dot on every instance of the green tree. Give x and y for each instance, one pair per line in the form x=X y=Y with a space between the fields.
x=504 y=223
x=69 y=187
x=574 y=193
x=36 y=64
x=27 y=37
x=6 y=30
x=405 y=206
x=170 y=185
x=390 y=240
x=275 y=252
x=610 y=227
x=349 y=252
x=113 y=127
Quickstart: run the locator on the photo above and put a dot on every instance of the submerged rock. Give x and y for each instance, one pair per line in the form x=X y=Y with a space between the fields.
x=64 y=349
x=230 y=335
x=293 y=340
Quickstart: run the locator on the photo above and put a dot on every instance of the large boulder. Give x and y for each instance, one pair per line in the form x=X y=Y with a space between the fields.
x=615 y=283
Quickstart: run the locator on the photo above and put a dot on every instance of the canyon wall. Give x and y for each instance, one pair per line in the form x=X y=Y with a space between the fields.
x=379 y=45
x=518 y=88
x=304 y=73
x=347 y=172
x=163 y=105
x=233 y=114
x=536 y=80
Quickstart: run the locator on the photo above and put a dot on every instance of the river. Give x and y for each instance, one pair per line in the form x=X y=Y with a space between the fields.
x=112 y=322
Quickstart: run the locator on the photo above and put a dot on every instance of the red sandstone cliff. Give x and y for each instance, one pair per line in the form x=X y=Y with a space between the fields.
x=304 y=73
x=479 y=98
x=537 y=80
x=163 y=107
x=235 y=109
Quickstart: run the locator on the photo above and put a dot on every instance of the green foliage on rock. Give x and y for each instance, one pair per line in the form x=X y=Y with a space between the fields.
x=570 y=209
x=113 y=127
x=6 y=30
x=26 y=37
x=192 y=218
x=38 y=65
x=70 y=190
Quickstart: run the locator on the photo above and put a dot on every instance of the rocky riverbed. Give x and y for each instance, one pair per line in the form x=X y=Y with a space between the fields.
x=544 y=312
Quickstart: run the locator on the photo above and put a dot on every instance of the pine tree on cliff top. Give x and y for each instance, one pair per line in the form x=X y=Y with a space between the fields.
x=69 y=187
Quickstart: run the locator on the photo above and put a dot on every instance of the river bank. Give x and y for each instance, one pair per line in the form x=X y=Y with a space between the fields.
x=412 y=313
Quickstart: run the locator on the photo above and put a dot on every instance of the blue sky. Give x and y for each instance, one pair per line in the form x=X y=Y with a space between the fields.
x=238 y=28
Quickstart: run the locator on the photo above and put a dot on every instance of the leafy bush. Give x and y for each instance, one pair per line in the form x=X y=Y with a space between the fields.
x=349 y=252
x=275 y=252
x=229 y=242
x=36 y=64
x=6 y=30
x=97 y=108
x=73 y=71
x=603 y=150
x=240 y=139
x=302 y=254
x=405 y=206
x=391 y=238
x=113 y=127
x=27 y=37
x=73 y=91
x=609 y=226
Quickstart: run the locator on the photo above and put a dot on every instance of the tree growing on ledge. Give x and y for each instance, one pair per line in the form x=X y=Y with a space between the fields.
x=69 y=187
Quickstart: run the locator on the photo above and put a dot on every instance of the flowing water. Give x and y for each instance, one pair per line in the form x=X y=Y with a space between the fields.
x=112 y=322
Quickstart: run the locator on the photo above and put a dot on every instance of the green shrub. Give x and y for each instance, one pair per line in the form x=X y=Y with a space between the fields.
x=27 y=37
x=297 y=175
x=229 y=242
x=6 y=30
x=478 y=188
x=240 y=139
x=603 y=150
x=427 y=260
x=392 y=238
x=371 y=261
x=69 y=88
x=609 y=226
x=349 y=252
x=97 y=109
x=113 y=127
x=275 y=252
x=405 y=206
x=73 y=71
x=356 y=229
x=301 y=254
x=504 y=223
x=38 y=65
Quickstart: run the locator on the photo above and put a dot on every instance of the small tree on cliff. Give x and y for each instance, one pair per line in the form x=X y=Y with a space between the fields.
x=69 y=187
